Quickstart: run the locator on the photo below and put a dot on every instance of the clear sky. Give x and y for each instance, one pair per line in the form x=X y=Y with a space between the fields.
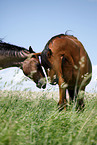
x=34 y=22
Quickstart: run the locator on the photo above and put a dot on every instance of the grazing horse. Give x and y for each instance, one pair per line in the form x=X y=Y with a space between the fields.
x=67 y=63
x=27 y=60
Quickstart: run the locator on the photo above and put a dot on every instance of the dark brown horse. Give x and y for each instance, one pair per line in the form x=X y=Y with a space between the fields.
x=67 y=63
x=27 y=60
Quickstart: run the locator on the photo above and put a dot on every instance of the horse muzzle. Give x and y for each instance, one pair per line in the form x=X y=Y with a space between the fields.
x=54 y=81
x=41 y=83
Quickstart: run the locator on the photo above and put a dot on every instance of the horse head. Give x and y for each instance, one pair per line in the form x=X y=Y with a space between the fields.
x=47 y=63
x=27 y=60
x=33 y=69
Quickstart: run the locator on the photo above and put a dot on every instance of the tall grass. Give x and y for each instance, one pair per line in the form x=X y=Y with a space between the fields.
x=29 y=118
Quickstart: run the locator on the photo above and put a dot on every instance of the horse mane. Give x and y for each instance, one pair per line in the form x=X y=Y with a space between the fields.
x=10 y=47
x=7 y=49
x=44 y=59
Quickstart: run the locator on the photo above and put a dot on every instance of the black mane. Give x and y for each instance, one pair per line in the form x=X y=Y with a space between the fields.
x=44 y=58
x=10 y=47
x=7 y=49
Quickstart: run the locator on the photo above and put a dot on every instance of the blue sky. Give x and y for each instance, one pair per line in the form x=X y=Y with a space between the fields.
x=34 y=22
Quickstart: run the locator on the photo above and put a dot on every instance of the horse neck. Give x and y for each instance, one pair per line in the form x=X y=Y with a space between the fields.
x=13 y=59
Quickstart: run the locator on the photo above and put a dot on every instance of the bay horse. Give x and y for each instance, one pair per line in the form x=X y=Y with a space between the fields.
x=67 y=63
x=27 y=60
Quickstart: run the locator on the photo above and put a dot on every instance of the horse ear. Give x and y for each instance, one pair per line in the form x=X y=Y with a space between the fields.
x=49 y=53
x=31 y=50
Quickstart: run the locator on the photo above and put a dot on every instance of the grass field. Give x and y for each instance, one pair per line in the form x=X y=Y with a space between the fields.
x=30 y=118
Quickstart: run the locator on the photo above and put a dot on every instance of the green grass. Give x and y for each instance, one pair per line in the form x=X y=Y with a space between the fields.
x=29 y=118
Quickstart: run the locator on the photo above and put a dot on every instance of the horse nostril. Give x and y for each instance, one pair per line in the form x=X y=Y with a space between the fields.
x=44 y=86
x=41 y=84
x=55 y=81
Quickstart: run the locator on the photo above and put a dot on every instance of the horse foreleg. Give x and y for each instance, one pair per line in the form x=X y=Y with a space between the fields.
x=57 y=66
x=62 y=94
x=62 y=98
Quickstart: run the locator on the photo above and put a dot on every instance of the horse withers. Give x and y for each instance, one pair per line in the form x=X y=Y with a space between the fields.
x=27 y=60
x=67 y=63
